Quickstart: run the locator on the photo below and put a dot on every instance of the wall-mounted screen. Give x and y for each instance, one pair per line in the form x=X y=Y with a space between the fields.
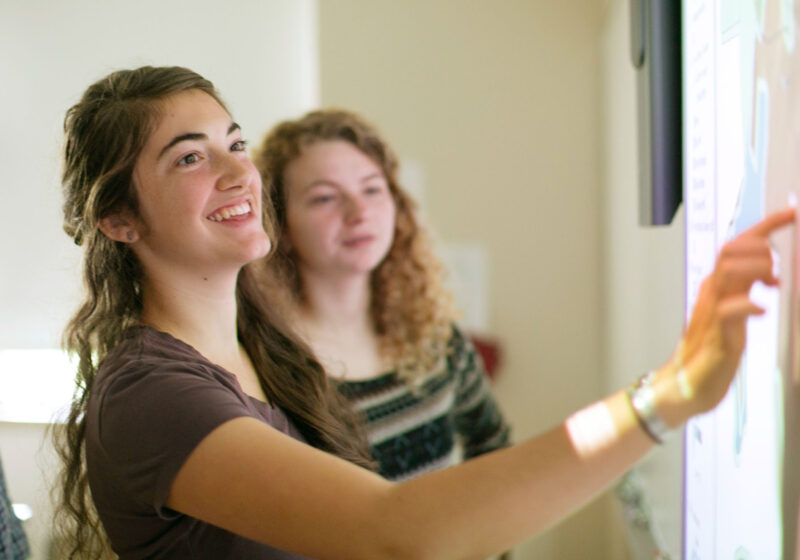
x=741 y=79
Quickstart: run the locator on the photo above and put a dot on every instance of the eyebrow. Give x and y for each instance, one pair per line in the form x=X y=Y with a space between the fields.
x=327 y=183
x=371 y=176
x=194 y=136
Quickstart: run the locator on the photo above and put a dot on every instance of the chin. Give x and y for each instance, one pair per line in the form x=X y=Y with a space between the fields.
x=363 y=267
x=262 y=252
x=258 y=249
x=265 y=249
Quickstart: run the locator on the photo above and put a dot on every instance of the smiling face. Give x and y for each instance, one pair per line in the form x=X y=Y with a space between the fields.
x=199 y=195
x=340 y=214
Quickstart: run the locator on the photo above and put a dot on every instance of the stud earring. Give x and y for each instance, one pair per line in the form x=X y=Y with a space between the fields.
x=129 y=235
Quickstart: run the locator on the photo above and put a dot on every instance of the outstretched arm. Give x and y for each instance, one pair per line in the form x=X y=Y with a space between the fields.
x=254 y=481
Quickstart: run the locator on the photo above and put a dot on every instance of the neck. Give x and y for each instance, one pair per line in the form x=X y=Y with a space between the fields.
x=199 y=310
x=335 y=320
x=335 y=304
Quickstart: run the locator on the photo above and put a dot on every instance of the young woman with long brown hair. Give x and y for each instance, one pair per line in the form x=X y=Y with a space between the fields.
x=145 y=268
x=204 y=430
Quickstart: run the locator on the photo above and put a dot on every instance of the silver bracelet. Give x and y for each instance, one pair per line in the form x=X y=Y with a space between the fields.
x=642 y=398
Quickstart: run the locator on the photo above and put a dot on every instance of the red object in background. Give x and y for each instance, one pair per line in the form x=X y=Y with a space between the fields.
x=489 y=350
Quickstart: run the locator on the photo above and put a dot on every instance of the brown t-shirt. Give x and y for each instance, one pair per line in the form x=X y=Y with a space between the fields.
x=154 y=399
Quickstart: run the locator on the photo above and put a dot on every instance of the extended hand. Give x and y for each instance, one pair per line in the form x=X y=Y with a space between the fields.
x=712 y=346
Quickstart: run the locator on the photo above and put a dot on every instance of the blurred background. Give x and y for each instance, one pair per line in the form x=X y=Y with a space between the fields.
x=514 y=121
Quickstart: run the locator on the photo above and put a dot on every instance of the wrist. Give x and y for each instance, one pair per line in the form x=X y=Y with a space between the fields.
x=643 y=400
x=675 y=398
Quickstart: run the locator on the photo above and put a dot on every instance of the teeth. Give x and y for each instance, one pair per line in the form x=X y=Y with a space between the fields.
x=230 y=212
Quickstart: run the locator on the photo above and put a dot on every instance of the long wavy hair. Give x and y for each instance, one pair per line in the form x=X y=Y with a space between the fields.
x=411 y=312
x=105 y=133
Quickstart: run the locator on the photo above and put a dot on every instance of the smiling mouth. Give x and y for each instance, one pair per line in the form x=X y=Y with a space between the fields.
x=230 y=212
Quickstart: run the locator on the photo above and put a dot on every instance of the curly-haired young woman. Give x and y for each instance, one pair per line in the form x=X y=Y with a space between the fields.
x=355 y=273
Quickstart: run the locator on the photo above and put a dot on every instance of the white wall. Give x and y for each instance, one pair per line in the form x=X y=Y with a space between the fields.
x=643 y=273
x=261 y=54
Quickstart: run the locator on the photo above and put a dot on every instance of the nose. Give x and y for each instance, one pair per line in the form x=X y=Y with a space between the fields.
x=355 y=209
x=235 y=171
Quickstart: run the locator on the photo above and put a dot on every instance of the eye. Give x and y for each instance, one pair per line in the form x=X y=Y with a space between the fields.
x=189 y=159
x=374 y=189
x=322 y=199
x=239 y=146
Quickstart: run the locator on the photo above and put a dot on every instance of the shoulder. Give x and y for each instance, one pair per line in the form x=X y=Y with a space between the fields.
x=146 y=343
x=148 y=353
x=151 y=376
x=155 y=396
x=461 y=351
x=466 y=363
x=458 y=339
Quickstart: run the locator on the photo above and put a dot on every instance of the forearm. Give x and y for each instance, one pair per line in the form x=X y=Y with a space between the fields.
x=253 y=481
x=494 y=501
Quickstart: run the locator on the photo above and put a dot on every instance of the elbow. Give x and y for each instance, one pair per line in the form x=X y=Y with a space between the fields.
x=423 y=549
x=413 y=538
x=397 y=530
x=400 y=549
x=401 y=523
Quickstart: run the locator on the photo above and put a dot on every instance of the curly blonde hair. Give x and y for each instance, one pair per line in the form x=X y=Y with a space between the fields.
x=411 y=311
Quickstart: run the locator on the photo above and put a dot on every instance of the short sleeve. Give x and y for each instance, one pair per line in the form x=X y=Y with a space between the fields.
x=152 y=416
x=478 y=419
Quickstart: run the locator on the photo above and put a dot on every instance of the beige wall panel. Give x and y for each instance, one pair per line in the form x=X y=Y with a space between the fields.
x=499 y=102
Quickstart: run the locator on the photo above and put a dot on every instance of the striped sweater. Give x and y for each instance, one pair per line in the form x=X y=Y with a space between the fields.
x=452 y=415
